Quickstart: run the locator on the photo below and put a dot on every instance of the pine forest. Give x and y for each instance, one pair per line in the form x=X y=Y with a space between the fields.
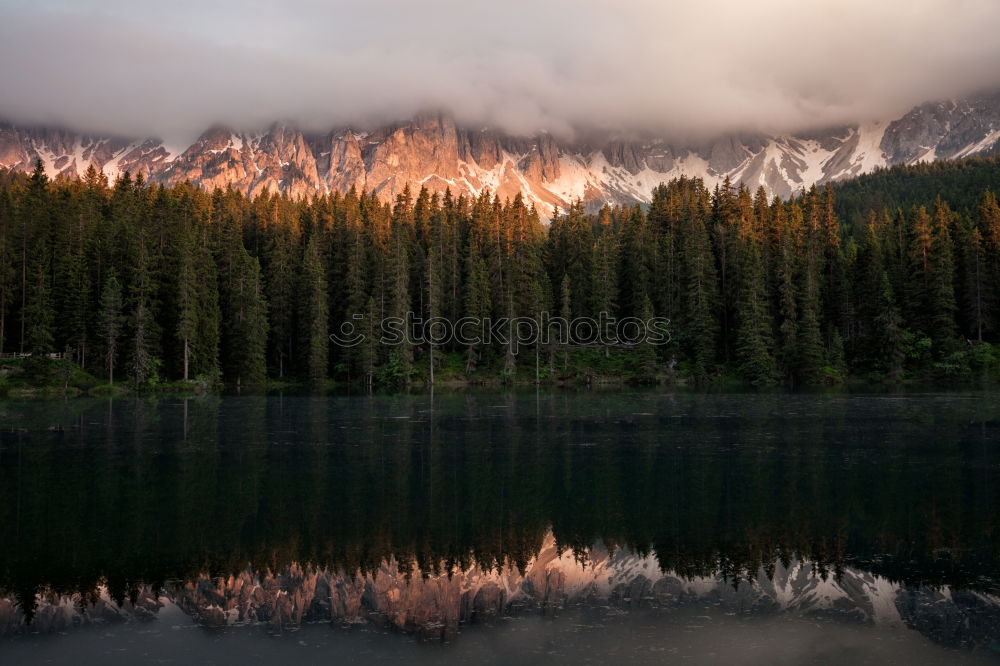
x=141 y=285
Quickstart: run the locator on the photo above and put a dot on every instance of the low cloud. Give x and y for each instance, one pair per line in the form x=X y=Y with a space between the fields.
x=679 y=68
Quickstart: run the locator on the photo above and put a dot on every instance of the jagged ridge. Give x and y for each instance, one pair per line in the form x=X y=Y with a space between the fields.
x=432 y=151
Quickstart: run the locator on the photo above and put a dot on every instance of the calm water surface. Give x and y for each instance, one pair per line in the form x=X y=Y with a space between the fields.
x=523 y=527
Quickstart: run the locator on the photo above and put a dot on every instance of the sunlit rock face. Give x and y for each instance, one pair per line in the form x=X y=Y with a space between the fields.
x=436 y=605
x=432 y=151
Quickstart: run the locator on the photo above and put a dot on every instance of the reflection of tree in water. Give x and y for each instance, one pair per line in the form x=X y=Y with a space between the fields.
x=149 y=491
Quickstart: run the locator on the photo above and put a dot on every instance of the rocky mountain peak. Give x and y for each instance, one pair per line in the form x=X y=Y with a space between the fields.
x=431 y=150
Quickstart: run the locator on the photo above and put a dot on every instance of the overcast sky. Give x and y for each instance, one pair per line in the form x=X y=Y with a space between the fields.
x=172 y=67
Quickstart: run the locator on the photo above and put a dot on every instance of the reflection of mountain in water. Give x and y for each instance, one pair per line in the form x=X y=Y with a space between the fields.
x=890 y=500
x=435 y=605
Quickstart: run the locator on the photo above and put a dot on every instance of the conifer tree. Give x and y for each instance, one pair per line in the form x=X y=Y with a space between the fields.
x=977 y=289
x=662 y=220
x=205 y=348
x=74 y=301
x=942 y=277
x=187 y=301
x=726 y=222
x=753 y=331
x=920 y=245
x=368 y=347
x=7 y=261
x=809 y=338
x=357 y=307
x=39 y=311
x=316 y=311
x=189 y=292
x=646 y=361
x=477 y=309
x=988 y=223
x=786 y=285
x=888 y=329
x=605 y=281
x=633 y=264
x=280 y=280
x=700 y=328
x=244 y=313
x=435 y=298
x=566 y=312
x=142 y=319
x=109 y=322
x=36 y=314
x=399 y=305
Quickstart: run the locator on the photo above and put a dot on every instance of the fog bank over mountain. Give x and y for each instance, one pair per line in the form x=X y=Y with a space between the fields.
x=681 y=69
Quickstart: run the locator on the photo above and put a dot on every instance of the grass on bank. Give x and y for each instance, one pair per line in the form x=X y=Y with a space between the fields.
x=44 y=377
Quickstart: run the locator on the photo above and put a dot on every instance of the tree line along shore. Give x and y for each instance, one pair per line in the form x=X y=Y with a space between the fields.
x=145 y=286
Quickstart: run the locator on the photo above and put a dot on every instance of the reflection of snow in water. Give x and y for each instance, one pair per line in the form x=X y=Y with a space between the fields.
x=436 y=605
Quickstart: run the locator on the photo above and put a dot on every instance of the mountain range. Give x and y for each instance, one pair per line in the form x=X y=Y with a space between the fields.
x=431 y=150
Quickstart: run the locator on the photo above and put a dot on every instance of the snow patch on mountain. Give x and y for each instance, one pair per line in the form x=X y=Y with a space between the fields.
x=430 y=150
x=868 y=153
x=984 y=144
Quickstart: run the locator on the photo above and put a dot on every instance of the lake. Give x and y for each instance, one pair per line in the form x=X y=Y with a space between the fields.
x=497 y=527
